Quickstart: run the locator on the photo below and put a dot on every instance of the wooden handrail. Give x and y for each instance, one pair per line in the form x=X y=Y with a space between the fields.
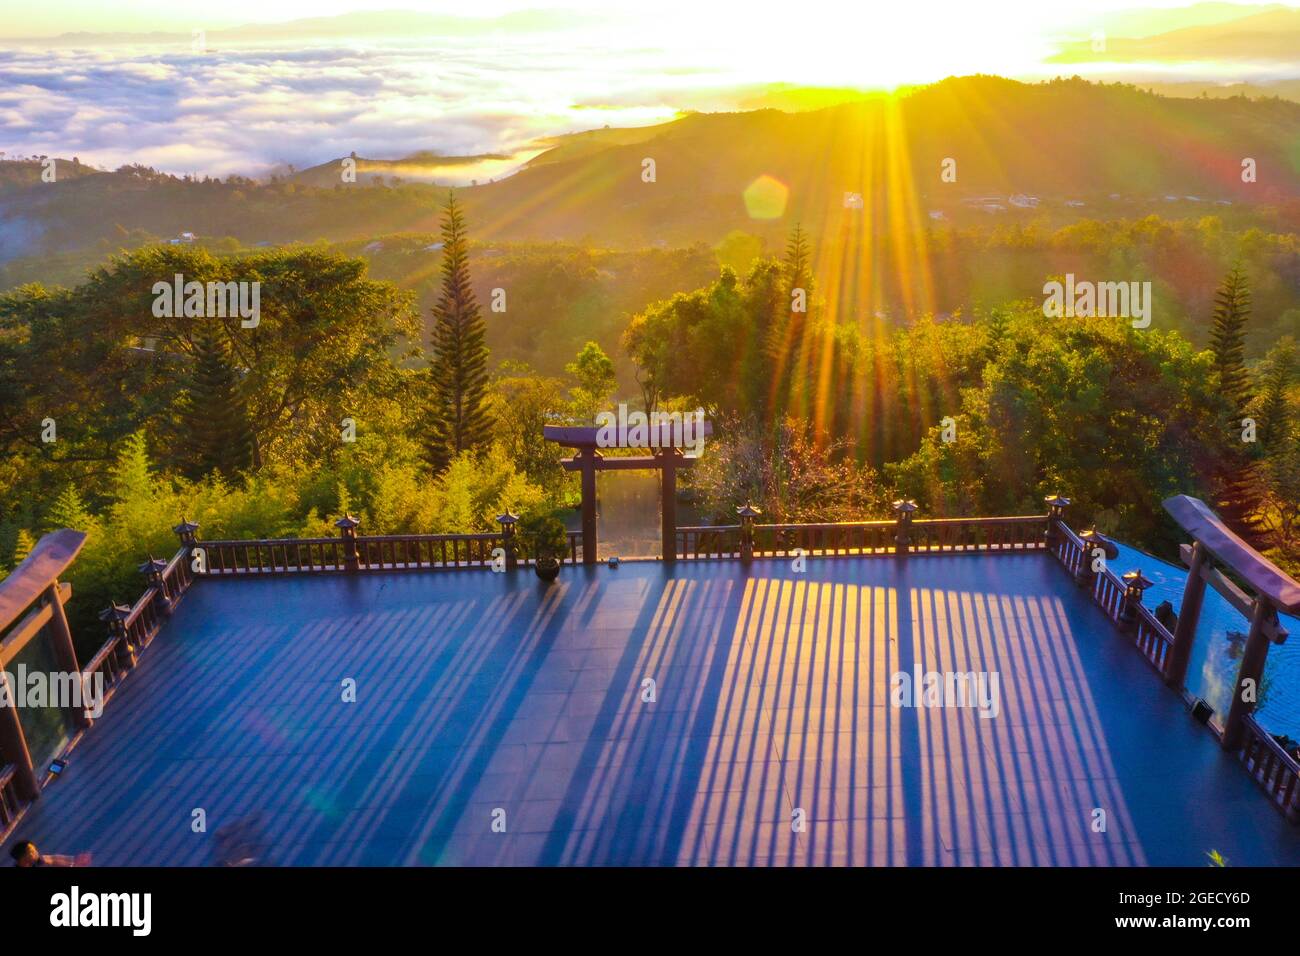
x=1272 y=767
x=27 y=582
x=1262 y=575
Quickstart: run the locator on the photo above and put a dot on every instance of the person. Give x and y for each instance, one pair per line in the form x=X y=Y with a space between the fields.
x=25 y=854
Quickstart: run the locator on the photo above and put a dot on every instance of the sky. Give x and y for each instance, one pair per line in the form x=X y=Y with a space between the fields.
x=257 y=100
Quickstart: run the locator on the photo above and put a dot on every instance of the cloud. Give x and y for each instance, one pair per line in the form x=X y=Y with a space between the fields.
x=251 y=110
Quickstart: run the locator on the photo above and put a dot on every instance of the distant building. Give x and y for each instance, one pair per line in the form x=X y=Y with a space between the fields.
x=1023 y=201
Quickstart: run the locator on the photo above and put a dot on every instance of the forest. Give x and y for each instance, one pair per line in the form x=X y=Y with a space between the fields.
x=351 y=397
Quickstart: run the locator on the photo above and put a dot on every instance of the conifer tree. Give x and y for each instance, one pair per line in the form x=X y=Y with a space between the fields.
x=458 y=368
x=787 y=337
x=216 y=432
x=1227 y=338
x=1239 y=480
x=1274 y=407
x=69 y=511
x=23 y=544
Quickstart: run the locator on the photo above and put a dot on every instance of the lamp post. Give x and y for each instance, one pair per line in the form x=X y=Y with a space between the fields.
x=747 y=513
x=1135 y=582
x=347 y=526
x=904 y=508
x=508 y=520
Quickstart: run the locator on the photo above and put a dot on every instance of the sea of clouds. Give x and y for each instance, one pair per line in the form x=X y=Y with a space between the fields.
x=255 y=110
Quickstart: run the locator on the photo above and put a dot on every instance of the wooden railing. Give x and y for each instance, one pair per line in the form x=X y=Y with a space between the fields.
x=708 y=541
x=272 y=555
x=1272 y=767
x=393 y=552
x=848 y=537
x=133 y=631
x=937 y=535
x=10 y=805
x=1019 y=533
x=1152 y=638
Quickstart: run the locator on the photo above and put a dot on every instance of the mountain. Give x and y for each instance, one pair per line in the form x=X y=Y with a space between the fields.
x=1270 y=36
x=1117 y=149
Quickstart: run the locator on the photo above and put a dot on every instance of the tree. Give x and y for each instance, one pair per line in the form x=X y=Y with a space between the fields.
x=23 y=544
x=216 y=435
x=69 y=511
x=1238 y=484
x=787 y=338
x=594 y=372
x=1274 y=410
x=459 y=367
x=1228 y=341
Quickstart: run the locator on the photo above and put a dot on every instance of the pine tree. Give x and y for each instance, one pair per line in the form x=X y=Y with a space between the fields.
x=130 y=475
x=69 y=511
x=797 y=260
x=1239 y=480
x=787 y=337
x=1273 y=404
x=217 y=436
x=1227 y=338
x=23 y=544
x=459 y=366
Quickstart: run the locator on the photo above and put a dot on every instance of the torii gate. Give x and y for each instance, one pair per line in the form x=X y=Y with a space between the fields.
x=587 y=459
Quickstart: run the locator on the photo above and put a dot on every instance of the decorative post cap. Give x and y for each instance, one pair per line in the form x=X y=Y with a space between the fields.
x=153 y=566
x=507 y=518
x=1136 y=581
x=115 y=613
x=1057 y=501
x=1090 y=536
x=904 y=506
x=748 y=510
x=186 y=527
x=348 y=523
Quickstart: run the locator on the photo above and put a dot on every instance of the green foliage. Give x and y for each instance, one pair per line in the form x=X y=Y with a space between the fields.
x=522 y=404
x=459 y=363
x=786 y=473
x=68 y=511
x=596 y=382
x=541 y=536
x=1227 y=338
x=1117 y=418
x=215 y=431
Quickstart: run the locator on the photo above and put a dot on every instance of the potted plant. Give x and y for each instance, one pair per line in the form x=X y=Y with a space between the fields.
x=543 y=539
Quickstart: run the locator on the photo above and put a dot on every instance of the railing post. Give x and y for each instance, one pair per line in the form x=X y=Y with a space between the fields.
x=904 y=508
x=115 y=616
x=1134 y=584
x=14 y=744
x=65 y=651
x=347 y=526
x=1056 y=505
x=1189 y=615
x=187 y=531
x=508 y=522
x=1251 y=673
x=1085 y=577
x=153 y=572
x=747 y=513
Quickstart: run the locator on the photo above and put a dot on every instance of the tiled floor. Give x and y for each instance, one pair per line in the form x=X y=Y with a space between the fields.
x=484 y=697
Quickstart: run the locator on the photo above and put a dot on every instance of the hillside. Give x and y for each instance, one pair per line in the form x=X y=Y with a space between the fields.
x=1113 y=148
